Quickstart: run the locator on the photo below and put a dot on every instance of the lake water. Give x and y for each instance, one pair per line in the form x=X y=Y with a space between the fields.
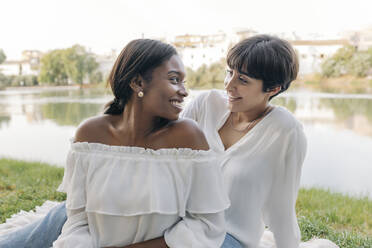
x=37 y=125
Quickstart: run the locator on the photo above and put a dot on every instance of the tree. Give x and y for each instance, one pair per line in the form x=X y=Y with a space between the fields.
x=73 y=64
x=217 y=73
x=52 y=68
x=360 y=64
x=347 y=60
x=339 y=63
x=204 y=77
x=4 y=81
x=2 y=56
x=96 y=77
x=79 y=63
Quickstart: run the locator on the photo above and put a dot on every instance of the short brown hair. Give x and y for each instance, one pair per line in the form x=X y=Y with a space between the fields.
x=265 y=57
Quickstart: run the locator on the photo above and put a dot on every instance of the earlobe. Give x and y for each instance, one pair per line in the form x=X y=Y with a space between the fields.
x=273 y=91
x=277 y=89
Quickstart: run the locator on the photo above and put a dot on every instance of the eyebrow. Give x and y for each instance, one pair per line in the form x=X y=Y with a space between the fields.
x=244 y=74
x=176 y=72
x=240 y=72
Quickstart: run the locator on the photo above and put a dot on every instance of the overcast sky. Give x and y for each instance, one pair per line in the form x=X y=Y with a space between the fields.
x=109 y=24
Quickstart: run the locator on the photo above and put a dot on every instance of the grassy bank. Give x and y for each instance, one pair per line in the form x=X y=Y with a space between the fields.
x=345 y=220
x=26 y=185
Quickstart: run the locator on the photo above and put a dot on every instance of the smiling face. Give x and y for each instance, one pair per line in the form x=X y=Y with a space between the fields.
x=244 y=93
x=164 y=94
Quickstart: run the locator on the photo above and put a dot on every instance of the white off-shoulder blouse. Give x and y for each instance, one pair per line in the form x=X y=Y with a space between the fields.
x=117 y=196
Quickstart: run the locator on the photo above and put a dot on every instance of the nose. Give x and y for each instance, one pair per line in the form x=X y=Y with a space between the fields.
x=182 y=91
x=229 y=82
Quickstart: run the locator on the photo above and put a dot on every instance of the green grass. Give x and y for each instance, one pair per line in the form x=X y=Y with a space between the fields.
x=345 y=220
x=24 y=185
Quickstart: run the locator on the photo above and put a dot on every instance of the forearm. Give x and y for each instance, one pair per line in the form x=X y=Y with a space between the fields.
x=153 y=243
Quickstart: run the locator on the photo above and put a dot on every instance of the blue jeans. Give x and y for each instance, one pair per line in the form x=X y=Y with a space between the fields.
x=231 y=242
x=39 y=234
x=44 y=232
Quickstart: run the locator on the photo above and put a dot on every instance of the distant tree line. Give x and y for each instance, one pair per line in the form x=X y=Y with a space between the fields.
x=74 y=65
x=2 y=56
x=206 y=77
x=2 y=76
x=348 y=61
x=71 y=65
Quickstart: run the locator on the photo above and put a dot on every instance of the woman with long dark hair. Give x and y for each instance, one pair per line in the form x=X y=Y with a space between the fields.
x=137 y=172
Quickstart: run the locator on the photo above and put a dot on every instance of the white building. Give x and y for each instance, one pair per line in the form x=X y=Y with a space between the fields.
x=362 y=39
x=106 y=62
x=312 y=53
x=28 y=65
x=17 y=68
x=196 y=50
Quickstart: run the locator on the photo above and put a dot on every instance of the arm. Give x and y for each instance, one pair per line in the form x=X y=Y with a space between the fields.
x=190 y=232
x=203 y=222
x=75 y=232
x=279 y=210
x=153 y=243
x=197 y=230
x=194 y=230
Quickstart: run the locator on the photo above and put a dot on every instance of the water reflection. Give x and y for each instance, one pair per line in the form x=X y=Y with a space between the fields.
x=287 y=102
x=342 y=113
x=70 y=114
x=80 y=93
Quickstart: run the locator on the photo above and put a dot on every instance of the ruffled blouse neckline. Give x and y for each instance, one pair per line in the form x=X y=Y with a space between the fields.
x=136 y=150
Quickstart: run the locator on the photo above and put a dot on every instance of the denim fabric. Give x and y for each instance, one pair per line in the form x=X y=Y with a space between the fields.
x=231 y=242
x=39 y=234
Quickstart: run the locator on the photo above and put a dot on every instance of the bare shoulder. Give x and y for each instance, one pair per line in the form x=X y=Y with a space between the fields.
x=187 y=134
x=93 y=129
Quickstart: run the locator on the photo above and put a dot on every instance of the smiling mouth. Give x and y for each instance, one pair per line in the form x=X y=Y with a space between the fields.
x=176 y=103
x=234 y=99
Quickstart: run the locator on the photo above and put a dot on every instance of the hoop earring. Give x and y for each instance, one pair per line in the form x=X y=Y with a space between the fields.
x=140 y=94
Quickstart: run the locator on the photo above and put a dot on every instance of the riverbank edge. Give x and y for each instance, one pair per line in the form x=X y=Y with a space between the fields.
x=312 y=82
x=345 y=220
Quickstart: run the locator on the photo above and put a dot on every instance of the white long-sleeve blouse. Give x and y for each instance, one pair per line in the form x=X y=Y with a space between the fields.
x=261 y=171
x=117 y=196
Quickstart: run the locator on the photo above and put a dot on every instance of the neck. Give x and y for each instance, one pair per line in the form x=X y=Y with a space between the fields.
x=251 y=115
x=135 y=124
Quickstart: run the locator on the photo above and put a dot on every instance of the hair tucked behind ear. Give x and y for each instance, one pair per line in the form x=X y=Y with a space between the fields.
x=139 y=57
